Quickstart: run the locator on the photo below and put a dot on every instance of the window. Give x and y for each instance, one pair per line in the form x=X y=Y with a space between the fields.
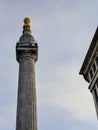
x=97 y=60
x=91 y=74
x=96 y=95
x=94 y=67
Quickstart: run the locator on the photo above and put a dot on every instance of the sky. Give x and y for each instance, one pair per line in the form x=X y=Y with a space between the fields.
x=64 y=30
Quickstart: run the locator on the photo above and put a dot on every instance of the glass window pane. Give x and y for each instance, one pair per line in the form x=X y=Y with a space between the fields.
x=94 y=67
x=97 y=60
x=91 y=74
x=96 y=95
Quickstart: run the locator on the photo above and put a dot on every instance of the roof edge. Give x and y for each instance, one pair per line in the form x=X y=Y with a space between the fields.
x=89 y=53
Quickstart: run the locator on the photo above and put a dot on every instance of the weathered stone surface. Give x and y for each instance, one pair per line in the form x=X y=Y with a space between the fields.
x=26 y=105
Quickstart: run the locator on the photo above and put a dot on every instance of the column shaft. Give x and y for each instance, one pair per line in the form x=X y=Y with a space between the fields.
x=26 y=102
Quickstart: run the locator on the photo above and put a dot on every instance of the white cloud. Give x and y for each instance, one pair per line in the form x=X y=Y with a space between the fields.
x=7 y=116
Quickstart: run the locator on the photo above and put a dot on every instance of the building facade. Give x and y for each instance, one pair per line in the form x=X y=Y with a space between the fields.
x=26 y=55
x=89 y=69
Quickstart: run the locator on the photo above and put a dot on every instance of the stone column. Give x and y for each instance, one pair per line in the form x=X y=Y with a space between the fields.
x=26 y=105
x=26 y=53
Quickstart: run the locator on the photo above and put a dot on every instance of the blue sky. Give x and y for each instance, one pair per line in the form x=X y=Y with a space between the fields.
x=64 y=30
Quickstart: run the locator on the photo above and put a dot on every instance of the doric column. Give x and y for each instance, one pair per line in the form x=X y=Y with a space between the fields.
x=26 y=55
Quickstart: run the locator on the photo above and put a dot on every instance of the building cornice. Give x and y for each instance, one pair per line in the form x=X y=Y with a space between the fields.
x=89 y=56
